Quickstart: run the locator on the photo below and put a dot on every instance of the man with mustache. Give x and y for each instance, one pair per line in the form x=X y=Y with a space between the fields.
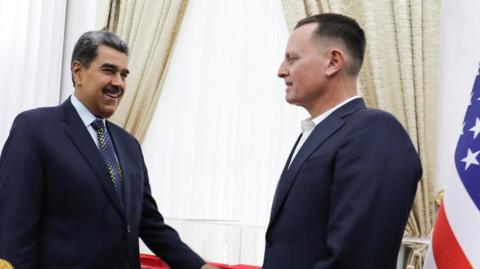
x=74 y=189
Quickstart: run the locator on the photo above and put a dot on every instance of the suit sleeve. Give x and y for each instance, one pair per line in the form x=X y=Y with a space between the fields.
x=376 y=171
x=162 y=239
x=21 y=194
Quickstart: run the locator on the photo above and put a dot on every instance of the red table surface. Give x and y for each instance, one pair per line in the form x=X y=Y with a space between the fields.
x=153 y=262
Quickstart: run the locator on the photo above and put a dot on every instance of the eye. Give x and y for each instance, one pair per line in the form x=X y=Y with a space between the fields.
x=108 y=70
x=292 y=59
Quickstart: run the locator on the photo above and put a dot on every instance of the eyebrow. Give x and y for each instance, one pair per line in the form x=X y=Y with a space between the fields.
x=112 y=66
x=290 y=55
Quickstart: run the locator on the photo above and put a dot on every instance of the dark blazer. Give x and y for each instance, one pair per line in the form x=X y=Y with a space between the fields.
x=346 y=197
x=58 y=207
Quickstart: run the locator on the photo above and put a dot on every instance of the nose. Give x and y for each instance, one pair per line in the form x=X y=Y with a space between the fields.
x=282 y=71
x=118 y=80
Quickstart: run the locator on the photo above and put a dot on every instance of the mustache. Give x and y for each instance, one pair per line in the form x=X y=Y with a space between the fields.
x=113 y=91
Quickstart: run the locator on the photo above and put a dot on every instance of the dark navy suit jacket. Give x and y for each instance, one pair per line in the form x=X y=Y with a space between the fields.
x=345 y=200
x=58 y=207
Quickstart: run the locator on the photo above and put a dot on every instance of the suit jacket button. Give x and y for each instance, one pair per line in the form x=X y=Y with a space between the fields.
x=128 y=228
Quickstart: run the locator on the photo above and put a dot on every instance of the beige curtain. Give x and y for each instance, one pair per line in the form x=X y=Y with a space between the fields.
x=399 y=75
x=149 y=27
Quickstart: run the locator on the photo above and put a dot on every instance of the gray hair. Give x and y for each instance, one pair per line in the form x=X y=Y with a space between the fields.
x=85 y=50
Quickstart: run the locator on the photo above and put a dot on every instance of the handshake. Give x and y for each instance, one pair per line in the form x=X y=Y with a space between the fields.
x=208 y=266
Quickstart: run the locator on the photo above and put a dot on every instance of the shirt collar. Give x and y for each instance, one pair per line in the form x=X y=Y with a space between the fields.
x=85 y=114
x=309 y=123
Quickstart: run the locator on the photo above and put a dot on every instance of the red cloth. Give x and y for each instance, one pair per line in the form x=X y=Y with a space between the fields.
x=153 y=262
x=238 y=266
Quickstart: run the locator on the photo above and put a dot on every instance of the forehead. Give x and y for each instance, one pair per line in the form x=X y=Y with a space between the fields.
x=301 y=38
x=110 y=55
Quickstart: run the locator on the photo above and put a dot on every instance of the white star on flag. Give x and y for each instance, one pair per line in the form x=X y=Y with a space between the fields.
x=471 y=158
x=476 y=129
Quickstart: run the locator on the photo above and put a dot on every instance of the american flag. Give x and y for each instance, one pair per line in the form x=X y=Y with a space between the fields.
x=456 y=236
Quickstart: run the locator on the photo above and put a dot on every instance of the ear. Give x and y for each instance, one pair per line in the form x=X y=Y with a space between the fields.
x=77 y=72
x=336 y=63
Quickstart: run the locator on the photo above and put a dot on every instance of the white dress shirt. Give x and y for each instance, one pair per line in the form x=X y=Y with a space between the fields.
x=309 y=124
x=86 y=116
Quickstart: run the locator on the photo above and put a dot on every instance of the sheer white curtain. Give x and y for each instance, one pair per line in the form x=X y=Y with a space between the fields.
x=222 y=130
x=81 y=17
x=31 y=48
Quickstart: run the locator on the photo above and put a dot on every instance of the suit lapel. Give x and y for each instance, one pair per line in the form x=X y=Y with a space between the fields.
x=285 y=169
x=77 y=132
x=287 y=164
x=321 y=133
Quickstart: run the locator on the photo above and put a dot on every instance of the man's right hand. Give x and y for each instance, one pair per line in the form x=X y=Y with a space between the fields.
x=208 y=266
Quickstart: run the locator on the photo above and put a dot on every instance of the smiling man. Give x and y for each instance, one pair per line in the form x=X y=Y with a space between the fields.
x=74 y=189
x=346 y=191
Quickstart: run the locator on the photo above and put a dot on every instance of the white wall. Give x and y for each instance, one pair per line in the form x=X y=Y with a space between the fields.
x=31 y=44
x=222 y=130
x=80 y=18
x=36 y=42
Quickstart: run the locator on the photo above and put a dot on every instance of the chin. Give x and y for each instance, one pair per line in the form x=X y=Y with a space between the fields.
x=294 y=102
x=105 y=114
x=108 y=114
x=290 y=100
x=108 y=111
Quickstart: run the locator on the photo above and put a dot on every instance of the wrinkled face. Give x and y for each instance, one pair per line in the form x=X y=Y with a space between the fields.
x=100 y=87
x=303 y=67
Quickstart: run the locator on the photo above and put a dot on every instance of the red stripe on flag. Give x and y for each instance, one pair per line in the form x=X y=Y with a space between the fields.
x=446 y=250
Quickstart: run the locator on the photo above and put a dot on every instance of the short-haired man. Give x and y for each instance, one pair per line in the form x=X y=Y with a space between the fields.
x=346 y=191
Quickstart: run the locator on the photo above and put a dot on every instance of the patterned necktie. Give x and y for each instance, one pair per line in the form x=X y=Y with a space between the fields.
x=106 y=149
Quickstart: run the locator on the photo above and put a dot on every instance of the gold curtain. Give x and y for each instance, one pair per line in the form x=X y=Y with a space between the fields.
x=400 y=76
x=149 y=27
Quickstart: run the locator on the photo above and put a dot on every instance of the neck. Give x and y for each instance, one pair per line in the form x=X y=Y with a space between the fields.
x=336 y=94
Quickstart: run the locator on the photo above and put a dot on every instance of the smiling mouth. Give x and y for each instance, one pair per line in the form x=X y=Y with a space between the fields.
x=112 y=91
